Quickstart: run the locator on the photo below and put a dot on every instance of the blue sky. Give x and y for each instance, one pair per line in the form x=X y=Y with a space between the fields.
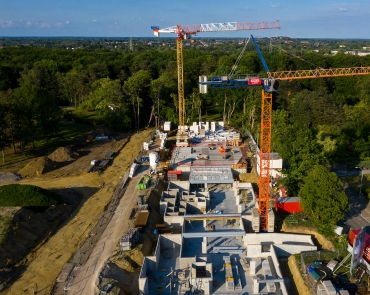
x=133 y=18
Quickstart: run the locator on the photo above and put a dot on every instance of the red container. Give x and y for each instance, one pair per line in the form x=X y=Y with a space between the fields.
x=288 y=205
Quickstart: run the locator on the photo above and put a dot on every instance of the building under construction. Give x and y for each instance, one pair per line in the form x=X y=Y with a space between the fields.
x=217 y=247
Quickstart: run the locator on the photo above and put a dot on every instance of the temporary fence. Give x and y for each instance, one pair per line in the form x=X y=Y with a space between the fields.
x=311 y=257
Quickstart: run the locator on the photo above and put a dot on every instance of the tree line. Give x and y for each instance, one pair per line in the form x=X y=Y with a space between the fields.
x=315 y=122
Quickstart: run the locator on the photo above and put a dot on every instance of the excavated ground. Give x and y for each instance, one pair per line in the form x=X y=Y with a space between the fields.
x=44 y=263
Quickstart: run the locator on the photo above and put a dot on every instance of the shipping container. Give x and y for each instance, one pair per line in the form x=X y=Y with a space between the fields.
x=288 y=205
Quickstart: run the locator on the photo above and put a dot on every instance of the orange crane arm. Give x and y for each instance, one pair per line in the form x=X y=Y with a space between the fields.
x=320 y=73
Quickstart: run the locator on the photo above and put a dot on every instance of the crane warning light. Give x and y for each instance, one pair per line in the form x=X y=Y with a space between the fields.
x=254 y=81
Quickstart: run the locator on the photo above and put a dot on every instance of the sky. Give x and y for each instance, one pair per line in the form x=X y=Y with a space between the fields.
x=133 y=18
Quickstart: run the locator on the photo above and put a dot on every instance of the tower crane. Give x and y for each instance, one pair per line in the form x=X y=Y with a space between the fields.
x=270 y=86
x=186 y=31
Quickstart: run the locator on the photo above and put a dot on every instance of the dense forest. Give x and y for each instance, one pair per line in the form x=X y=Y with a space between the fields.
x=315 y=122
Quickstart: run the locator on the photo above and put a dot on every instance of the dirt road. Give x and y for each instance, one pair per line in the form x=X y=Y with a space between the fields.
x=85 y=278
x=46 y=261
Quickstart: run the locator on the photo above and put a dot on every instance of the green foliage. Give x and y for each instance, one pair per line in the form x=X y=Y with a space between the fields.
x=27 y=196
x=323 y=117
x=5 y=226
x=323 y=199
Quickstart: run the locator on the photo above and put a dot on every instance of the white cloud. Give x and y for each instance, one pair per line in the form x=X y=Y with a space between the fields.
x=67 y=22
x=58 y=25
x=28 y=24
x=94 y=20
x=43 y=25
x=274 y=6
x=6 y=23
x=342 y=9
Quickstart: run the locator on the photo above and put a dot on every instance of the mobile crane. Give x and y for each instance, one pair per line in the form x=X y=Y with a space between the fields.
x=270 y=86
x=185 y=32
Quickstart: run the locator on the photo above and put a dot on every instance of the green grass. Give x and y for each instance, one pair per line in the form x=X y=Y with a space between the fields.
x=69 y=133
x=5 y=226
x=27 y=196
x=83 y=116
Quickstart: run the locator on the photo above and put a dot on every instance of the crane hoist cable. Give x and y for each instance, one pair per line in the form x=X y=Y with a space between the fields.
x=232 y=72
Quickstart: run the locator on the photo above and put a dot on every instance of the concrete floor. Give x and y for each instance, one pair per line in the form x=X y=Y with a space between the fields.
x=223 y=200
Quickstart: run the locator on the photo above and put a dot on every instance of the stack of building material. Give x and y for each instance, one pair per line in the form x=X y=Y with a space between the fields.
x=167 y=126
x=244 y=263
x=129 y=240
x=173 y=175
x=133 y=168
x=255 y=220
x=326 y=287
x=126 y=242
x=271 y=221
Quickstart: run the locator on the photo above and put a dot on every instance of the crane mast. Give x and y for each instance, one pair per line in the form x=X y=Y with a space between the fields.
x=185 y=32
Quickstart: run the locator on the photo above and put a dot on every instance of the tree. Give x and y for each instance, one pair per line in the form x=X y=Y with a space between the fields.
x=109 y=102
x=323 y=199
x=135 y=87
x=3 y=128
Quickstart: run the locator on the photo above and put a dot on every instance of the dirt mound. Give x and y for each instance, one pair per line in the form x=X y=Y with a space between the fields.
x=8 y=177
x=38 y=166
x=63 y=154
x=130 y=261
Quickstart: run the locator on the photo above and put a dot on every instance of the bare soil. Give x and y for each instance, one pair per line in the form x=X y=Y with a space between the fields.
x=45 y=262
x=299 y=282
x=322 y=244
x=63 y=154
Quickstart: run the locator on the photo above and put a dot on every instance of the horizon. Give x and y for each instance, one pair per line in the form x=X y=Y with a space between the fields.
x=113 y=18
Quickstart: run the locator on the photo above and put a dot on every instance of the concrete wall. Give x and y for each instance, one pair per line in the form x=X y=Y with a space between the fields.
x=185 y=262
x=275 y=260
x=287 y=250
x=276 y=239
x=168 y=241
x=175 y=221
x=177 y=184
x=150 y=264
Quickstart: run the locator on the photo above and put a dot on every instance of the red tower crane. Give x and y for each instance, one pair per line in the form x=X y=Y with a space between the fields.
x=269 y=86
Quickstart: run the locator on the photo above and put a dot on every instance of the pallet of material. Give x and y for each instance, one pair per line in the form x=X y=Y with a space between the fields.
x=141 y=219
x=244 y=264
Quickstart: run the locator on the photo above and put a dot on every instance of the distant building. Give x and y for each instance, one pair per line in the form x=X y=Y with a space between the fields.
x=363 y=53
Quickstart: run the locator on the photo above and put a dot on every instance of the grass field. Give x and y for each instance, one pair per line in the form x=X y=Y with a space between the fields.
x=70 y=132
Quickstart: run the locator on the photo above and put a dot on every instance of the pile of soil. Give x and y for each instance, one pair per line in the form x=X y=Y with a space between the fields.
x=38 y=166
x=9 y=177
x=63 y=154
x=24 y=236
